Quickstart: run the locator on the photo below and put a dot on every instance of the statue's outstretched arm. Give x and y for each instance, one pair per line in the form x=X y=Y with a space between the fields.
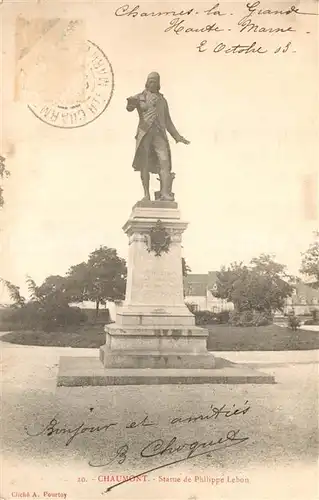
x=132 y=102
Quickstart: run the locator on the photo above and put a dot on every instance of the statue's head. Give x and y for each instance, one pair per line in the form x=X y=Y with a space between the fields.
x=153 y=82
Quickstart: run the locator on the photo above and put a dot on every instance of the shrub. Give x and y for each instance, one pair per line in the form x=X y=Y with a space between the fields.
x=62 y=316
x=47 y=317
x=27 y=317
x=222 y=317
x=263 y=319
x=293 y=322
x=205 y=317
x=250 y=318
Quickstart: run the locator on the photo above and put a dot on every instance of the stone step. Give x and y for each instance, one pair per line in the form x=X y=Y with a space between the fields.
x=155 y=359
x=89 y=371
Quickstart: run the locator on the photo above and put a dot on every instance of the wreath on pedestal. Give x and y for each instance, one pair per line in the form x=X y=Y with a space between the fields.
x=158 y=239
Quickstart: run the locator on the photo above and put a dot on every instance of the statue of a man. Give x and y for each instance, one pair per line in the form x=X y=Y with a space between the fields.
x=152 y=154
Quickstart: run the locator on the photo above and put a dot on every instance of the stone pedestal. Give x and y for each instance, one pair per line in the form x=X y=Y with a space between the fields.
x=154 y=339
x=154 y=328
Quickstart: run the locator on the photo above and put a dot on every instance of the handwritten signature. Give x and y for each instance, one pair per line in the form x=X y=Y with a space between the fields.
x=159 y=448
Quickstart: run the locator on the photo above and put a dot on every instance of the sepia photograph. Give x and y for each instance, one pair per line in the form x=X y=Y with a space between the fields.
x=159 y=250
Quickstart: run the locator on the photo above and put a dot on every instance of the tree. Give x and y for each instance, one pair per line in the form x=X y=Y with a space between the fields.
x=32 y=288
x=260 y=287
x=53 y=299
x=231 y=284
x=54 y=289
x=102 y=278
x=3 y=174
x=14 y=293
x=310 y=263
x=185 y=267
x=48 y=307
x=78 y=280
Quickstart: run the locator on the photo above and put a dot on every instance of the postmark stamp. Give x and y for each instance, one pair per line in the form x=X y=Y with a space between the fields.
x=99 y=85
x=66 y=80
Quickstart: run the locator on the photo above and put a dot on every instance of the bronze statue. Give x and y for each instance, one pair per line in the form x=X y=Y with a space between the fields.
x=152 y=154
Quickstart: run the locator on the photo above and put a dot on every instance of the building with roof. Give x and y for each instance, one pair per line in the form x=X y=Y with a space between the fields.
x=304 y=299
x=198 y=290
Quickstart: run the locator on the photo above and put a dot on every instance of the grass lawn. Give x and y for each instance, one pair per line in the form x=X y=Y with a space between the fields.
x=91 y=336
x=221 y=338
x=262 y=338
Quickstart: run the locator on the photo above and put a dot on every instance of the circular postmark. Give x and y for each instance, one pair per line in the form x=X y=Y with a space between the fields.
x=87 y=106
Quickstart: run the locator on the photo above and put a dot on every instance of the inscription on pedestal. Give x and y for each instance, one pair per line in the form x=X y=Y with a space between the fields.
x=155 y=286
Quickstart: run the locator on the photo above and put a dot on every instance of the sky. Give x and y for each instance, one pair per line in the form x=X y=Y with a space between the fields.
x=247 y=183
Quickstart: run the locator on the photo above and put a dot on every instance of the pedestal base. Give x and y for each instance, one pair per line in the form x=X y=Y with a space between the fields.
x=150 y=347
x=79 y=372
